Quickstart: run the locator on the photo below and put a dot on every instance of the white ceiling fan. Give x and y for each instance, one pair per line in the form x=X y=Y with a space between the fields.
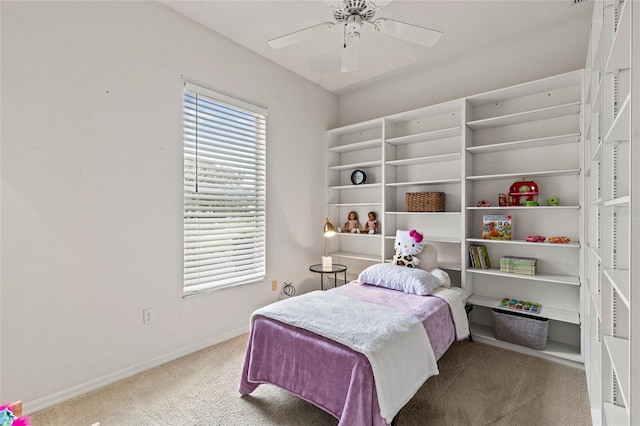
x=352 y=14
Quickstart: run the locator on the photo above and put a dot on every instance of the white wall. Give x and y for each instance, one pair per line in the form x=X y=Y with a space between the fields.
x=549 y=51
x=91 y=190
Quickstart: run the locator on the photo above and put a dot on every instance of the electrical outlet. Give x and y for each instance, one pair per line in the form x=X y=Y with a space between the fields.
x=148 y=315
x=274 y=285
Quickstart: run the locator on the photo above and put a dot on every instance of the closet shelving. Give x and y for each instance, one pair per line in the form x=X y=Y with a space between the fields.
x=358 y=146
x=473 y=149
x=419 y=150
x=529 y=131
x=613 y=383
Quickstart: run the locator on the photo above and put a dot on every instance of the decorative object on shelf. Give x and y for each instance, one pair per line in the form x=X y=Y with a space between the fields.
x=523 y=191
x=520 y=305
x=484 y=203
x=408 y=245
x=479 y=257
x=425 y=201
x=559 y=240
x=535 y=238
x=518 y=265
x=328 y=231
x=352 y=225
x=358 y=177
x=503 y=200
x=553 y=201
x=496 y=227
x=372 y=224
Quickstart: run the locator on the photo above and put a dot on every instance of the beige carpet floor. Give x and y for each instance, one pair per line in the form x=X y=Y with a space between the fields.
x=478 y=385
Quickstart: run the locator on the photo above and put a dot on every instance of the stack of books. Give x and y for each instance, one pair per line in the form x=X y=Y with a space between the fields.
x=479 y=257
x=518 y=265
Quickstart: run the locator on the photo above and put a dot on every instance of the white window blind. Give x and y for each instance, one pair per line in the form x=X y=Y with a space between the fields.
x=224 y=191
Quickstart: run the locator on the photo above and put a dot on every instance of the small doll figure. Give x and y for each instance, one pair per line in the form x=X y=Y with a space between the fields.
x=352 y=225
x=372 y=224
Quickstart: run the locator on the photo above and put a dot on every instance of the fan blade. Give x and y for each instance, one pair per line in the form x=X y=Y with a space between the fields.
x=413 y=33
x=295 y=37
x=350 y=52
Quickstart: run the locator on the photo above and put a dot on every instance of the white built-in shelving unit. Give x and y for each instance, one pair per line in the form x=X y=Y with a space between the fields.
x=611 y=225
x=530 y=131
x=473 y=149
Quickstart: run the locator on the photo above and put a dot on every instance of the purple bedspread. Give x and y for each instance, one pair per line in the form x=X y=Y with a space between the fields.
x=328 y=374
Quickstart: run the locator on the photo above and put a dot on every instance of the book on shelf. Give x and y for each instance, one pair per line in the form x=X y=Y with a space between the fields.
x=496 y=227
x=479 y=257
x=518 y=265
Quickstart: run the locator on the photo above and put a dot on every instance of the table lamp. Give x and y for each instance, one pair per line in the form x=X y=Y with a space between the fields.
x=329 y=231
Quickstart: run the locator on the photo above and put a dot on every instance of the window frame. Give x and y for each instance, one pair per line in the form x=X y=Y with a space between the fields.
x=224 y=177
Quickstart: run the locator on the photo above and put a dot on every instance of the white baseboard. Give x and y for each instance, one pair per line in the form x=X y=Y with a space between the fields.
x=81 y=389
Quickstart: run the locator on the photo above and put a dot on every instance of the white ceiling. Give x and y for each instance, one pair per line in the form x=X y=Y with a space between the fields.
x=466 y=24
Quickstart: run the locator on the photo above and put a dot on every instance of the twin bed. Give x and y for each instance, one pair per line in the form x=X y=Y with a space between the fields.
x=359 y=351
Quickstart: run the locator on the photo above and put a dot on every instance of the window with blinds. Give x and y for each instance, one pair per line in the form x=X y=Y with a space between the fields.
x=224 y=191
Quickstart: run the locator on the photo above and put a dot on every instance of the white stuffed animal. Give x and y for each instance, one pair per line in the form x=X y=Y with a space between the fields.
x=408 y=245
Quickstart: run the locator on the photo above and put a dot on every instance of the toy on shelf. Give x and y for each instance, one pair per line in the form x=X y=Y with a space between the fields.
x=535 y=238
x=371 y=227
x=503 y=200
x=484 y=203
x=553 y=201
x=523 y=192
x=559 y=240
x=521 y=305
x=352 y=225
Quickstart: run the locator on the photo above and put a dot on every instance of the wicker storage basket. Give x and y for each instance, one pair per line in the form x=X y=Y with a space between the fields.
x=521 y=329
x=424 y=201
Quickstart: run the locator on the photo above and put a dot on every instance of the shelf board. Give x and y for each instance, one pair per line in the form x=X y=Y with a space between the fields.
x=620 y=279
x=546 y=173
x=526 y=116
x=425 y=160
x=596 y=202
x=525 y=208
x=356 y=256
x=615 y=415
x=618 y=202
x=595 y=251
x=620 y=130
x=432 y=239
x=363 y=186
x=568 y=79
x=553 y=348
x=620 y=52
x=527 y=143
x=363 y=165
x=424 y=213
x=554 y=279
x=353 y=204
x=555 y=314
x=356 y=235
x=374 y=143
x=597 y=152
x=356 y=127
x=426 y=136
x=618 y=350
x=449 y=266
x=424 y=182
x=525 y=243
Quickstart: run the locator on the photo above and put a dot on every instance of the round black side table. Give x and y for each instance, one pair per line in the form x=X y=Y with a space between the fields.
x=335 y=269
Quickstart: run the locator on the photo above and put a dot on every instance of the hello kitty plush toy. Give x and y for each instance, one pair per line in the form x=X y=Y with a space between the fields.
x=408 y=244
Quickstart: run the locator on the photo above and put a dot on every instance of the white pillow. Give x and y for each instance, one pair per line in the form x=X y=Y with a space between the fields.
x=409 y=280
